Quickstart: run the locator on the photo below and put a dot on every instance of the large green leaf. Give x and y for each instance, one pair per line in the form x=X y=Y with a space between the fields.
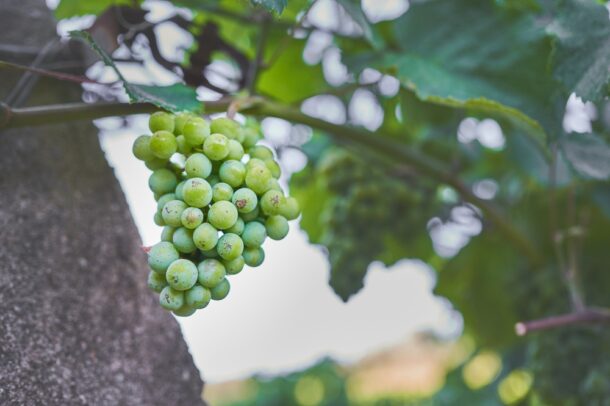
x=74 y=8
x=177 y=97
x=582 y=47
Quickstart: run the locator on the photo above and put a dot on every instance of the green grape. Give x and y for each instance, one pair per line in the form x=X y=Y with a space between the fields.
x=155 y=163
x=197 y=297
x=257 y=179
x=182 y=146
x=184 y=311
x=162 y=181
x=230 y=128
x=222 y=215
x=164 y=199
x=183 y=240
x=156 y=281
x=172 y=212
x=274 y=168
x=158 y=219
x=191 y=217
x=245 y=200
x=205 y=237
x=216 y=147
x=179 y=122
x=271 y=202
x=167 y=233
x=250 y=137
x=171 y=299
x=260 y=152
x=236 y=151
x=211 y=273
x=234 y=266
x=253 y=256
x=237 y=228
x=210 y=253
x=221 y=191
x=195 y=131
x=161 y=255
x=178 y=191
x=163 y=144
x=161 y=121
x=182 y=274
x=275 y=185
x=254 y=234
x=230 y=246
x=197 y=192
x=290 y=209
x=277 y=227
x=221 y=290
x=232 y=172
x=250 y=216
x=254 y=162
x=198 y=166
x=141 y=148
x=213 y=180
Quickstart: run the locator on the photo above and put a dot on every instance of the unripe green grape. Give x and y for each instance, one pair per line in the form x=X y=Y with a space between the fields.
x=257 y=179
x=234 y=266
x=274 y=168
x=179 y=122
x=196 y=130
x=253 y=256
x=216 y=147
x=232 y=172
x=290 y=209
x=172 y=212
x=230 y=246
x=254 y=162
x=210 y=253
x=222 y=215
x=178 y=191
x=198 y=166
x=161 y=255
x=260 y=152
x=205 y=237
x=156 y=281
x=163 y=144
x=197 y=192
x=236 y=151
x=171 y=299
x=213 y=180
x=275 y=185
x=211 y=273
x=197 y=297
x=157 y=196
x=277 y=227
x=155 y=163
x=182 y=146
x=161 y=121
x=245 y=200
x=237 y=228
x=184 y=311
x=250 y=216
x=221 y=290
x=254 y=234
x=221 y=191
x=162 y=181
x=158 y=219
x=226 y=126
x=183 y=240
x=167 y=233
x=191 y=217
x=164 y=199
x=182 y=274
x=250 y=137
x=141 y=148
x=271 y=202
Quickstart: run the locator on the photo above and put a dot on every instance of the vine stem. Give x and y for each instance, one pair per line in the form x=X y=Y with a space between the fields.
x=589 y=315
x=375 y=142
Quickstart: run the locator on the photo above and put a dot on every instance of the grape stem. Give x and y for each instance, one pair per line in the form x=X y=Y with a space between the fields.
x=589 y=315
x=257 y=106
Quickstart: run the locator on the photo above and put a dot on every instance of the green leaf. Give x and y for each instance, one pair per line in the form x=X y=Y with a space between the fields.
x=355 y=12
x=582 y=48
x=74 y=8
x=272 y=5
x=589 y=155
x=176 y=97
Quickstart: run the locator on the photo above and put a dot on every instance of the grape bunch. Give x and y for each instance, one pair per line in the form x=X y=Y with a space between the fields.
x=218 y=199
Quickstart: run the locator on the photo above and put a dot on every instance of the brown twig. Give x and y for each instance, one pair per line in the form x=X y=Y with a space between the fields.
x=589 y=315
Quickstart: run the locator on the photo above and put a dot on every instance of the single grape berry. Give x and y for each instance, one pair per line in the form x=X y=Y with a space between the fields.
x=141 y=148
x=184 y=311
x=161 y=121
x=171 y=299
x=275 y=185
x=183 y=240
x=172 y=212
x=179 y=122
x=221 y=191
x=250 y=137
x=234 y=266
x=178 y=191
x=205 y=237
x=162 y=181
x=290 y=209
x=226 y=126
x=230 y=246
x=254 y=256
x=260 y=152
x=155 y=163
x=221 y=290
x=222 y=215
x=237 y=228
x=236 y=151
x=182 y=274
x=216 y=147
x=211 y=273
x=250 y=216
x=198 y=166
x=195 y=131
x=191 y=217
x=182 y=147
x=161 y=255
x=158 y=220
x=277 y=227
x=257 y=178
x=272 y=201
x=274 y=168
x=156 y=281
x=245 y=200
x=197 y=297
x=167 y=233
x=197 y=192
x=254 y=234
x=232 y=172
x=163 y=144
x=164 y=199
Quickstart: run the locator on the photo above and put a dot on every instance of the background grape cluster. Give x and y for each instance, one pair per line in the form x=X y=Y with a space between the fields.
x=218 y=199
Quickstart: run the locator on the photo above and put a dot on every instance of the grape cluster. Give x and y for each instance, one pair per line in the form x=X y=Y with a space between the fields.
x=218 y=199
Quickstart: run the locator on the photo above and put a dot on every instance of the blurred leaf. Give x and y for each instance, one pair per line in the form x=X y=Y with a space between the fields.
x=589 y=155
x=354 y=9
x=176 y=97
x=272 y=5
x=312 y=195
x=582 y=47
x=74 y=8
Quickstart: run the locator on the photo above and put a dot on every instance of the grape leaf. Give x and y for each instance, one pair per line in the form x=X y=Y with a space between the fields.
x=73 y=8
x=272 y=5
x=589 y=155
x=355 y=12
x=177 y=97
